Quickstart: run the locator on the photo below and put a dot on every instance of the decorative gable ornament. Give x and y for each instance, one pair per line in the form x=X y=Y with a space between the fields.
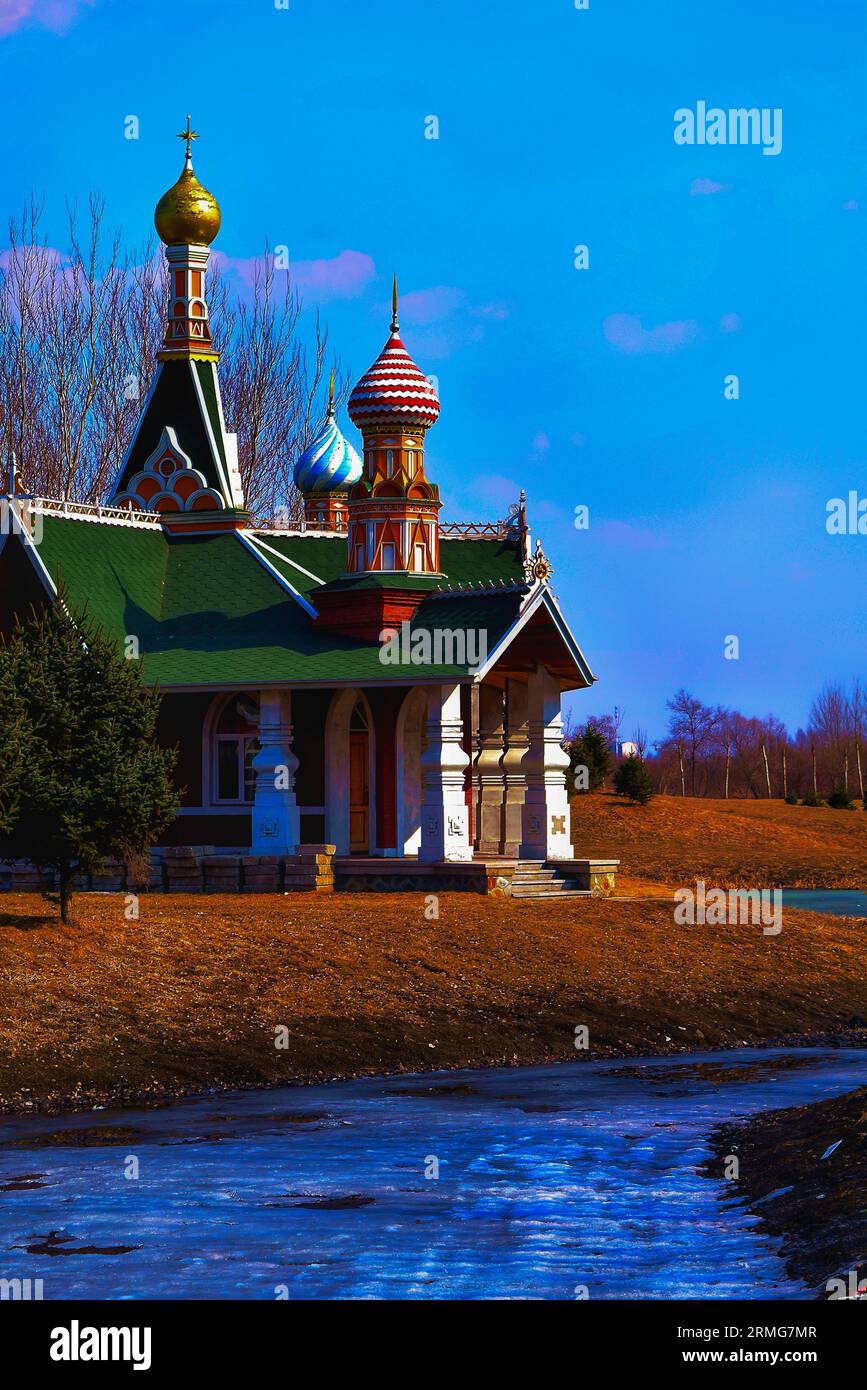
x=169 y=482
x=538 y=568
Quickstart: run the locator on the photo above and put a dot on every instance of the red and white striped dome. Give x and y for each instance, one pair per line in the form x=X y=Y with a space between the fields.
x=394 y=392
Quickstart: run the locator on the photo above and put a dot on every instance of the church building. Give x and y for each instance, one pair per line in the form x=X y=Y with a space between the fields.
x=370 y=677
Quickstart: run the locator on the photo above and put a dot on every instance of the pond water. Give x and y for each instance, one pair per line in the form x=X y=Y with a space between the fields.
x=842 y=902
x=549 y=1178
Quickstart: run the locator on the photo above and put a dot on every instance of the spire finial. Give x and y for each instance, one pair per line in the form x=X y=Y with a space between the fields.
x=189 y=135
x=394 y=323
x=331 y=393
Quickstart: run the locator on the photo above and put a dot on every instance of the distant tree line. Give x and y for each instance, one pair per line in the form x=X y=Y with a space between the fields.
x=717 y=752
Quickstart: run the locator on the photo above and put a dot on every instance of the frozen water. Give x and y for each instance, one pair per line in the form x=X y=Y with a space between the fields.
x=550 y=1178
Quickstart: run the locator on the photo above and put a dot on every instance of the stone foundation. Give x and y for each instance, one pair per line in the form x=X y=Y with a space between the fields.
x=202 y=870
x=21 y=877
x=314 y=869
x=193 y=869
x=411 y=876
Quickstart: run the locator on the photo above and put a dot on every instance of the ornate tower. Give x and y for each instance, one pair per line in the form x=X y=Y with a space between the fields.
x=181 y=461
x=325 y=472
x=393 y=509
x=187 y=219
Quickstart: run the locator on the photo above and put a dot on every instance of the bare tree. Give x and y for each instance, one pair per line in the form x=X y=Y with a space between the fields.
x=767 y=769
x=858 y=710
x=639 y=738
x=79 y=333
x=694 y=725
x=829 y=723
x=273 y=388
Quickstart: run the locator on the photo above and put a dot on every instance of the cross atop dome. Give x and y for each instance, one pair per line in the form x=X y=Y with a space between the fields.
x=189 y=135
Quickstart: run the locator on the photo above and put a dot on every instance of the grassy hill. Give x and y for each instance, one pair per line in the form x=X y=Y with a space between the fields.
x=730 y=844
x=189 y=996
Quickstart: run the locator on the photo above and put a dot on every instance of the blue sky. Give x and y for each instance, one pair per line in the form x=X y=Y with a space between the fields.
x=599 y=387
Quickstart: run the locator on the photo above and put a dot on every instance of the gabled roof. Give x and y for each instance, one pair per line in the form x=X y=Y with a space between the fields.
x=185 y=397
x=222 y=610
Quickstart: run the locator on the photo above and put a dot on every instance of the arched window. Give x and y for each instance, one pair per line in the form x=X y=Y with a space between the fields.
x=236 y=741
x=389 y=464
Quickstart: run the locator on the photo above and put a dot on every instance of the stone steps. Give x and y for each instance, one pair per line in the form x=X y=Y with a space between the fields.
x=534 y=878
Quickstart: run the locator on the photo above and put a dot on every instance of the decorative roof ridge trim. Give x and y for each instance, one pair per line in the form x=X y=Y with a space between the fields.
x=285 y=558
x=246 y=540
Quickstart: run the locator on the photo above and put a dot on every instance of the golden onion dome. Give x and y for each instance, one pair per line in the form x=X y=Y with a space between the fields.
x=187 y=214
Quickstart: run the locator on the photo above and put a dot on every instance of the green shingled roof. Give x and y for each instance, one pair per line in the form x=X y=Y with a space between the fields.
x=207 y=612
x=463 y=562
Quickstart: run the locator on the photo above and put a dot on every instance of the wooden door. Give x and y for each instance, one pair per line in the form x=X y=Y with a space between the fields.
x=359 y=794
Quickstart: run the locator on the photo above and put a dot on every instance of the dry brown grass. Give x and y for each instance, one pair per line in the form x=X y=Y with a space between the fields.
x=730 y=844
x=189 y=996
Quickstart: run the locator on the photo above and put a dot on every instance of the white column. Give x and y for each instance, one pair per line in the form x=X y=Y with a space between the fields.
x=514 y=774
x=545 y=819
x=444 y=813
x=488 y=770
x=276 y=820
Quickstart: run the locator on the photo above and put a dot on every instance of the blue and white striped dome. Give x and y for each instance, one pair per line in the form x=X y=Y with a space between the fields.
x=329 y=463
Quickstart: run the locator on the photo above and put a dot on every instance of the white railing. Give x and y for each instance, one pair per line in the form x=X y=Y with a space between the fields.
x=449 y=530
x=90 y=511
x=474 y=530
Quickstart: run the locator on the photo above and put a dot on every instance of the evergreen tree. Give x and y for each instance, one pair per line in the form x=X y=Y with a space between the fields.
x=93 y=781
x=589 y=749
x=13 y=746
x=633 y=780
x=840 y=798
